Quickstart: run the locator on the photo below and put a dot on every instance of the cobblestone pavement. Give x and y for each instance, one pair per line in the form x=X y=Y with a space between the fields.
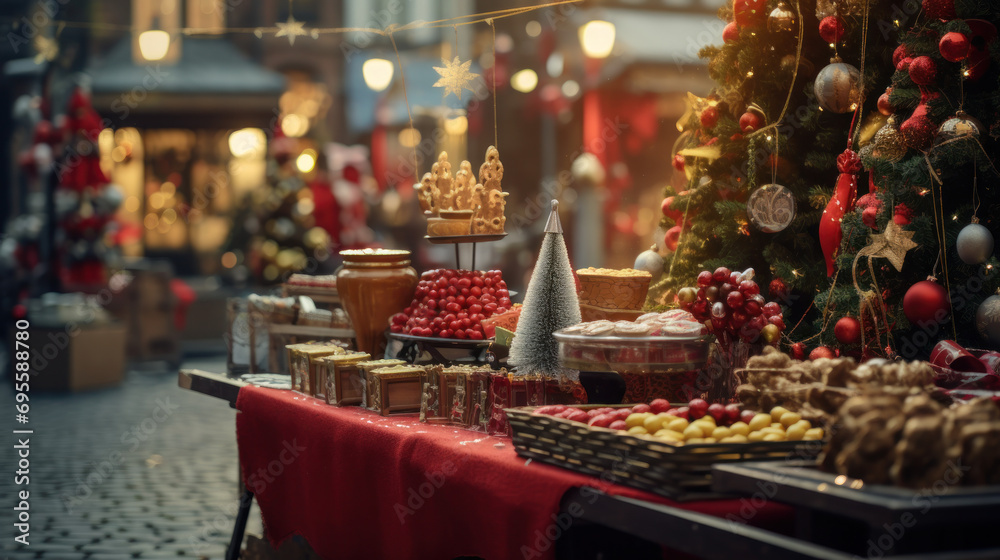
x=145 y=470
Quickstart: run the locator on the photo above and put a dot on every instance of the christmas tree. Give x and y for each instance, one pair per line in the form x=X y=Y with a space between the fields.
x=550 y=304
x=816 y=100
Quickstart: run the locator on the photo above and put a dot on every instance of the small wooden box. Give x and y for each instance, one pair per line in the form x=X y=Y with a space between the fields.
x=340 y=378
x=304 y=365
x=437 y=403
x=474 y=384
x=397 y=390
x=369 y=381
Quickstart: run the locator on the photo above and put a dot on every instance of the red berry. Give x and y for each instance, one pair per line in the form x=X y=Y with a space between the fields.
x=698 y=407
x=777 y=321
x=733 y=412
x=601 y=420
x=578 y=416
x=640 y=408
x=721 y=274
x=747 y=415
x=683 y=412
x=734 y=300
x=749 y=288
x=460 y=334
x=659 y=405
x=704 y=278
x=618 y=425
x=717 y=411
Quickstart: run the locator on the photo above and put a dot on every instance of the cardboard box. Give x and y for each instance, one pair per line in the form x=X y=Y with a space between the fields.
x=87 y=357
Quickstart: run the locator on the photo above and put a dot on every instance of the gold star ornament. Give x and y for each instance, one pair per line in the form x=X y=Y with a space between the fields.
x=291 y=29
x=455 y=76
x=892 y=244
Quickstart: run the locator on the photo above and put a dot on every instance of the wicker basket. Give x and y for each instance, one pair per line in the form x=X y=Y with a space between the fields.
x=676 y=472
x=613 y=292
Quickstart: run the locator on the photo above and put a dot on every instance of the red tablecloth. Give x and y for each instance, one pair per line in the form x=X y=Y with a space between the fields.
x=358 y=485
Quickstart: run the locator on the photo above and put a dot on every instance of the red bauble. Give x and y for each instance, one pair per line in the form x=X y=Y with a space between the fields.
x=679 y=163
x=778 y=290
x=899 y=54
x=954 y=46
x=904 y=63
x=884 y=105
x=939 y=9
x=870 y=217
x=821 y=352
x=918 y=131
x=674 y=215
x=902 y=215
x=923 y=70
x=750 y=13
x=831 y=29
x=983 y=35
x=847 y=330
x=798 y=350
x=926 y=302
x=731 y=33
x=751 y=121
x=672 y=238
x=709 y=117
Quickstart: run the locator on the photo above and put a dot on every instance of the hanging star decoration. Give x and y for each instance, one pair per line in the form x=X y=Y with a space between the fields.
x=455 y=76
x=695 y=105
x=46 y=49
x=892 y=244
x=291 y=29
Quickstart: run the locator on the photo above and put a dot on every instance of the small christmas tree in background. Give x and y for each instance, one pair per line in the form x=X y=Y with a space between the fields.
x=550 y=304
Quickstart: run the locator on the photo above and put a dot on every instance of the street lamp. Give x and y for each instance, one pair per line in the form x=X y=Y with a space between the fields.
x=154 y=43
x=597 y=38
x=377 y=73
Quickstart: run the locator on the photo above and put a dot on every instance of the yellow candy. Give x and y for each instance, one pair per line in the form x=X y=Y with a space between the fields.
x=669 y=434
x=695 y=440
x=706 y=427
x=653 y=423
x=760 y=421
x=777 y=426
x=776 y=413
x=707 y=418
x=756 y=436
x=638 y=430
x=637 y=419
x=734 y=439
x=773 y=430
x=814 y=434
x=677 y=424
x=693 y=431
x=789 y=418
x=804 y=424
x=739 y=428
x=774 y=437
x=721 y=433
x=795 y=433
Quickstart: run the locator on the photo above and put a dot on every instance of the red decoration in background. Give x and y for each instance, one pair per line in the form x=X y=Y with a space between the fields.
x=731 y=33
x=185 y=296
x=884 y=105
x=821 y=352
x=831 y=29
x=954 y=46
x=983 y=35
x=847 y=330
x=923 y=71
x=901 y=52
x=751 y=121
x=798 y=351
x=902 y=215
x=709 y=117
x=672 y=238
x=939 y=9
x=840 y=203
x=750 y=13
x=918 y=131
x=926 y=302
x=778 y=290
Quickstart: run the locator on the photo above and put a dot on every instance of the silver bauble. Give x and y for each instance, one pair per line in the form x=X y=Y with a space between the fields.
x=974 y=244
x=961 y=126
x=771 y=208
x=988 y=319
x=837 y=87
x=108 y=201
x=651 y=262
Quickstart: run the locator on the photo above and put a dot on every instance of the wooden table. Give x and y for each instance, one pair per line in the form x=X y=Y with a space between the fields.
x=633 y=528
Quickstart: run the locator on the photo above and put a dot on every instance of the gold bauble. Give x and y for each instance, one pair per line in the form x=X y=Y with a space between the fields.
x=887 y=144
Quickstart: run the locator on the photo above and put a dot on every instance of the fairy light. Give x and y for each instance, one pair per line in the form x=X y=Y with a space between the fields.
x=750 y=74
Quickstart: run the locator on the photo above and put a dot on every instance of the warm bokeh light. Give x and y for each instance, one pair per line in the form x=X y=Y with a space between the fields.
x=378 y=73
x=294 y=125
x=597 y=38
x=306 y=161
x=246 y=142
x=571 y=88
x=533 y=28
x=456 y=126
x=154 y=44
x=409 y=137
x=229 y=259
x=524 y=81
